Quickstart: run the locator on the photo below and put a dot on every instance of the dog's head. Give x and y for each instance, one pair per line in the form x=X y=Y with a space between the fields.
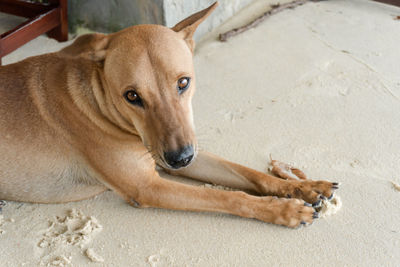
x=149 y=83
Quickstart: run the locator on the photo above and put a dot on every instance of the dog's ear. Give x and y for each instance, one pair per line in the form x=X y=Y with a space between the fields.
x=89 y=46
x=188 y=26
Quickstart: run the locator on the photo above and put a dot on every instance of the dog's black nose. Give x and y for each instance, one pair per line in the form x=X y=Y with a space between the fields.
x=179 y=158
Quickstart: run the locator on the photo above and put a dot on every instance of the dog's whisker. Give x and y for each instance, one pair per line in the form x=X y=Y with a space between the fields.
x=204 y=141
x=199 y=148
x=144 y=153
x=150 y=152
x=202 y=137
x=202 y=134
x=204 y=144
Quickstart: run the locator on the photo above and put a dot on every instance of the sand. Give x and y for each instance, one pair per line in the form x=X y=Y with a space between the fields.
x=93 y=256
x=318 y=87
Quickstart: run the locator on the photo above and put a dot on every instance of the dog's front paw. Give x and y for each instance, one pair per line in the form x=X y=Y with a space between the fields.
x=288 y=212
x=310 y=191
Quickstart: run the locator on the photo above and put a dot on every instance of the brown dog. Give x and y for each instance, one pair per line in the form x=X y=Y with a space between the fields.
x=102 y=112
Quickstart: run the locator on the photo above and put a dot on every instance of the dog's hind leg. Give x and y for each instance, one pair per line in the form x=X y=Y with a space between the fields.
x=213 y=169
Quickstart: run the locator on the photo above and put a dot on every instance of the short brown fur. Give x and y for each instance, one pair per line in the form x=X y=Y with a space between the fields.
x=67 y=133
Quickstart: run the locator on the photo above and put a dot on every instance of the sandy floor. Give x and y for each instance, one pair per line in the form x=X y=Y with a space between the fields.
x=318 y=86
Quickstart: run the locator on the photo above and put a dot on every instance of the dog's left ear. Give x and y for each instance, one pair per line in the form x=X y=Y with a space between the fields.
x=188 y=26
x=91 y=46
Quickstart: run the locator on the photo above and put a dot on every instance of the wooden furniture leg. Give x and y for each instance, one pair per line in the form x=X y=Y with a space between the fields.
x=389 y=2
x=48 y=18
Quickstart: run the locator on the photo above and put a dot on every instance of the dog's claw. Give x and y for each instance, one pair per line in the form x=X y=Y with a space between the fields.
x=134 y=203
x=289 y=196
x=315 y=215
x=317 y=204
x=307 y=204
x=335 y=186
x=331 y=196
x=303 y=223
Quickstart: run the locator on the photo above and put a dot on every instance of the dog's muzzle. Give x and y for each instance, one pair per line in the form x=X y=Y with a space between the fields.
x=179 y=158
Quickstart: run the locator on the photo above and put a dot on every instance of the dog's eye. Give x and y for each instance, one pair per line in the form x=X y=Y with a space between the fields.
x=132 y=97
x=183 y=84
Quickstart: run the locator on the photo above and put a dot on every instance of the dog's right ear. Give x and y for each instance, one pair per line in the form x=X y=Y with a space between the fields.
x=89 y=46
x=188 y=26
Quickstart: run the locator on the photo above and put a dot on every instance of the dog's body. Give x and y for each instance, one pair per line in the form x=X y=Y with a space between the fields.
x=102 y=112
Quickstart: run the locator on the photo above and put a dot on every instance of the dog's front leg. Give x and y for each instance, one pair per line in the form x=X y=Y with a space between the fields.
x=162 y=193
x=133 y=176
x=213 y=169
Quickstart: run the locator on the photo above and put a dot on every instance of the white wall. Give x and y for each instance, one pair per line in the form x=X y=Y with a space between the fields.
x=176 y=10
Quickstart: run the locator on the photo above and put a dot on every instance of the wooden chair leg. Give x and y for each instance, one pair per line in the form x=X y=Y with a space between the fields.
x=389 y=2
x=60 y=33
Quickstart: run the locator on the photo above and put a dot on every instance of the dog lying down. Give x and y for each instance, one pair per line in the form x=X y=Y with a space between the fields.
x=104 y=111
